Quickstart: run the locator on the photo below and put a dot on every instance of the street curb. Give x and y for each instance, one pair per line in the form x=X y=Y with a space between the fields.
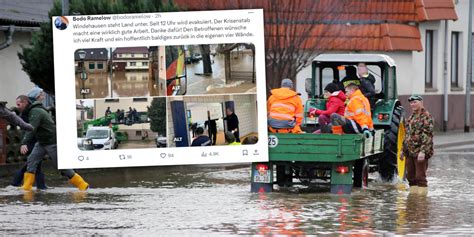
x=451 y=144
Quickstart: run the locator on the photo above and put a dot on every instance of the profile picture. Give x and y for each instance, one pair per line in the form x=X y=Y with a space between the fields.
x=61 y=22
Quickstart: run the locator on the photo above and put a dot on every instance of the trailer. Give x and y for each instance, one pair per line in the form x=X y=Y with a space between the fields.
x=344 y=161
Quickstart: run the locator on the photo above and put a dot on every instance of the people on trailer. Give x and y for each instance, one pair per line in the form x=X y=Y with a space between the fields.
x=357 y=116
x=335 y=104
x=285 y=109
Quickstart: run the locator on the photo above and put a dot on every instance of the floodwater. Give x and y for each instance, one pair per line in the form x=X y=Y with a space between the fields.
x=241 y=81
x=123 y=84
x=214 y=201
x=139 y=83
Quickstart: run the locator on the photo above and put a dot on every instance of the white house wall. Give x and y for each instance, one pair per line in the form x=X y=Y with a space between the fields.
x=411 y=70
x=13 y=81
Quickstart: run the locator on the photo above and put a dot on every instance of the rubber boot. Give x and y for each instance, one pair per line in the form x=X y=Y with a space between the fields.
x=18 y=177
x=28 y=181
x=40 y=181
x=337 y=130
x=79 y=182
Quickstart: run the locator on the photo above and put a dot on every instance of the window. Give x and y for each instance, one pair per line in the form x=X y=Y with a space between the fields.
x=133 y=63
x=140 y=99
x=91 y=66
x=132 y=55
x=162 y=63
x=100 y=66
x=111 y=100
x=328 y=77
x=429 y=59
x=472 y=68
x=138 y=133
x=455 y=59
x=145 y=64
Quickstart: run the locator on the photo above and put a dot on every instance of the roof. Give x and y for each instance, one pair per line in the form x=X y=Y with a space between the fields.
x=354 y=25
x=99 y=54
x=25 y=12
x=356 y=58
x=371 y=37
x=430 y=10
x=131 y=50
x=337 y=11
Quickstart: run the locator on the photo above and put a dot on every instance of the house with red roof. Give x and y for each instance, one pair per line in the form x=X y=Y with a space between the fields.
x=131 y=59
x=427 y=39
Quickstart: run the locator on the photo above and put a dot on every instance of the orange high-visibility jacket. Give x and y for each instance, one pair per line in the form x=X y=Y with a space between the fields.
x=285 y=104
x=358 y=109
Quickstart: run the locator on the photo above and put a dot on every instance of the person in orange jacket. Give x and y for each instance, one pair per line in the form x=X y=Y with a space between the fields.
x=285 y=109
x=357 y=116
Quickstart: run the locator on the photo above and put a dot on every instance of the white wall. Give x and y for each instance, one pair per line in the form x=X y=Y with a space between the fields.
x=245 y=109
x=411 y=64
x=461 y=25
x=13 y=80
x=124 y=103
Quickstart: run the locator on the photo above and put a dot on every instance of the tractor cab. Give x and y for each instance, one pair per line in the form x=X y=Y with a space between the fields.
x=387 y=113
x=327 y=68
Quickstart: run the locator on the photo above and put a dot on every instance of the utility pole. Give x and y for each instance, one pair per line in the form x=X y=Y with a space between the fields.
x=445 y=78
x=65 y=7
x=111 y=73
x=467 y=123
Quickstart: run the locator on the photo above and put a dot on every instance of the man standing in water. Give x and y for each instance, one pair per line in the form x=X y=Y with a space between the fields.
x=44 y=130
x=418 y=144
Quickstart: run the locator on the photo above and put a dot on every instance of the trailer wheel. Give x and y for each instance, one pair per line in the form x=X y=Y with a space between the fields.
x=282 y=178
x=393 y=139
x=361 y=173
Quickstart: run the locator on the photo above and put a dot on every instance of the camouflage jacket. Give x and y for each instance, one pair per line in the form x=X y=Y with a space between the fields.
x=419 y=134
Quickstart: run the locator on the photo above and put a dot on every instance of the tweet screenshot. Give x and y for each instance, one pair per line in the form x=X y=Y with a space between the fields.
x=160 y=89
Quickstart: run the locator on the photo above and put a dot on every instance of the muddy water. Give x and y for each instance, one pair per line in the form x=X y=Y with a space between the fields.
x=123 y=84
x=212 y=201
x=215 y=83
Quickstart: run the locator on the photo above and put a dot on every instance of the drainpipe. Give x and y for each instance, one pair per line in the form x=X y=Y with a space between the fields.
x=445 y=77
x=8 y=37
x=65 y=7
x=467 y=123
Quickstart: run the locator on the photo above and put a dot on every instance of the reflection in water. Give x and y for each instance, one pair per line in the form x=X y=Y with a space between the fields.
x=123 y=84
x=130 y=84
x=417 y=208
x=189 y=201
x=97 y=83
x=198 y=84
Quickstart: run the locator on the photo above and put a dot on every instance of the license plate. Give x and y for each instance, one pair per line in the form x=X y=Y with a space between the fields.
x=262 y=176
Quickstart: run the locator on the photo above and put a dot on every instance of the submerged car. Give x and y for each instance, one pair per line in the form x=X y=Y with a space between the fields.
x=160 y=141
x=103 y=138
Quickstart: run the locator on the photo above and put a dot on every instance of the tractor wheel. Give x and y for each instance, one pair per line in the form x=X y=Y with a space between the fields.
x=282 y=178
x=361 y=173
x=393 y=139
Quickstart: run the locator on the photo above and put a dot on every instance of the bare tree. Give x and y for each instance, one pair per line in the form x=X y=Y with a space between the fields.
x=206 y=59
x=294 y=30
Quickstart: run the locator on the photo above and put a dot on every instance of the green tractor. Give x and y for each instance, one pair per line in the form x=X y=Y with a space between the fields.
x=109 y=120
x=308 y=157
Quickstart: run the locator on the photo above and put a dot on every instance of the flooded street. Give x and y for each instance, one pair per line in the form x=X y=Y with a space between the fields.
x=215 y=83
x=214 y=201
x=123 y=84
